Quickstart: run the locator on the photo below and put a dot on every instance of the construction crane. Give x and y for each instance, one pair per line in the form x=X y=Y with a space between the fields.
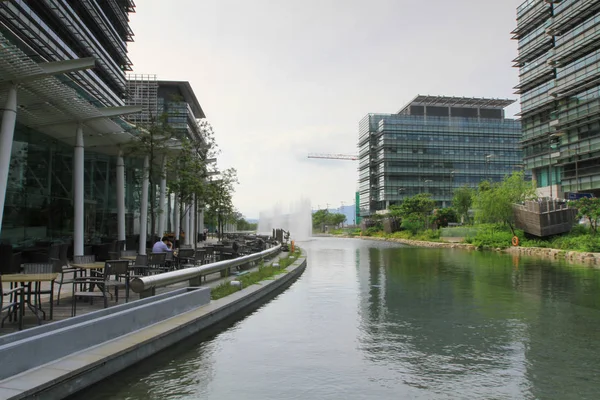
x=349 y=157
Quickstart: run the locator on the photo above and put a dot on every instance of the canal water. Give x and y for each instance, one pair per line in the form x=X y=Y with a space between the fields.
x=374 y=320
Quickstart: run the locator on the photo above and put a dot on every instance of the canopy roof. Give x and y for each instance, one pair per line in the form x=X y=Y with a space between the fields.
x=51 y=106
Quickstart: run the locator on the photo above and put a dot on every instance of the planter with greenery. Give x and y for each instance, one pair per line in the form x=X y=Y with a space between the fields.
x=264 y=272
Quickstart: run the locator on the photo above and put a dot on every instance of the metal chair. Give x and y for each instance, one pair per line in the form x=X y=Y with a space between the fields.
x=65 y=269
x=186 y=257
x=87 y=259
x=53 y=267
x=14 y=305
x=120 y=269
x=140 y=265
x=99 y=281
x=156 y=263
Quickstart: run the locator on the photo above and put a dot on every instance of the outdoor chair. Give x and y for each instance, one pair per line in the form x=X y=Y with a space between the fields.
x=156 y=263
x=140 y=265
x=210 y=254
x=87 y=259
x=169 y=261
x=118 y=268
x=200 y=257
x=186 y=258
x=14 y=304
x=65 y=270
x=54 y=266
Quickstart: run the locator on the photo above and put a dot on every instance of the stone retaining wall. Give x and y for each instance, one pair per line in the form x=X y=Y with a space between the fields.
x=554 y=254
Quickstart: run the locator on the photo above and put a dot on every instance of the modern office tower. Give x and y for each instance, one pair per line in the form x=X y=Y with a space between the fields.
x=559 y=63
x=62 y=88
x=173 y=100
x=433 y=145
x=51 y=30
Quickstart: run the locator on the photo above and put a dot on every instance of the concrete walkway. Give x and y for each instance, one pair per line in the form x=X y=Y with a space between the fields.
x=63 y=310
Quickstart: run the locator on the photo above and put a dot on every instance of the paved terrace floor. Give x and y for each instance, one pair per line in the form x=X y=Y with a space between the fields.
x=63 y=310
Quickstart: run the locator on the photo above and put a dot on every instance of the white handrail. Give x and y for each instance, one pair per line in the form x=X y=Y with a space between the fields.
x=141 y=284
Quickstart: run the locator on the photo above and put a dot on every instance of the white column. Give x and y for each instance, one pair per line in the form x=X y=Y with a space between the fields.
x=121 y=196
x=162 y=208
x=7 y=132
x=193 y=240
x=176 y=217
x=78 y=191
x=201 y=221
x=187 y=224
x=144 y=207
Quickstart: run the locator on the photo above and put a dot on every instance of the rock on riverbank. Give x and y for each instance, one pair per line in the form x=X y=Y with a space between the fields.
x=554 y=254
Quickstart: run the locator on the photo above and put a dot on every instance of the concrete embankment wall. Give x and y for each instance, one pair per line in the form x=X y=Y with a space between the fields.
x=578 y=257
x=67 y=375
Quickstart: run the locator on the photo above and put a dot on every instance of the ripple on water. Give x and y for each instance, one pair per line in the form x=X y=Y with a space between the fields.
x=373 y=320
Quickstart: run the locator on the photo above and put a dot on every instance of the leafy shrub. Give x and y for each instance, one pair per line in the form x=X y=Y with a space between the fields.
x=441 y=217
x=492 y=236
x=459 y=231
x=402 y=235
x=372 y=231
x=429 y=235
x=412 y=225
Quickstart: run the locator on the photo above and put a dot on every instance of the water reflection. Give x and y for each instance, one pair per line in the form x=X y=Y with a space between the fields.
x=377 y=320
x=479 y=323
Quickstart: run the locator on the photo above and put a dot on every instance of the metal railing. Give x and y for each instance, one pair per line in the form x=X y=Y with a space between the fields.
x=147 y=284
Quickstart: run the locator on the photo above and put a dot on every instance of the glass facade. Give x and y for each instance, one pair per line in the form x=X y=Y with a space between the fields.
x=39 y=196
x=560 y=94
x=39 y=203
x=402 y=155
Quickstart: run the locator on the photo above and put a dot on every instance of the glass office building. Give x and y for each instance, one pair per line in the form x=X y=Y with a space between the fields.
x=559 y=66
x=434 y=145
x=174 y=99
x=39 y=201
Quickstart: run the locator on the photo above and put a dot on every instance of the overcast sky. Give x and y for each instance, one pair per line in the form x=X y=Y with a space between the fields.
x=281 y=78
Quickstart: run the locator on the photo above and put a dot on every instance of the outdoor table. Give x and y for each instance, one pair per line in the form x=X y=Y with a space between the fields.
x=98 y=265
x=37 y=279
x=129 y=258
x=89 y=266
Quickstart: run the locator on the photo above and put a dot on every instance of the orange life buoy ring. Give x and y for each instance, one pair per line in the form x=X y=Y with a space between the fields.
x=515 y=241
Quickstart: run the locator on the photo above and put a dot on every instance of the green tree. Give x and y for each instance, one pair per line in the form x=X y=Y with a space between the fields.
x=154 y=139
x=324 y=217
x=319 y=218
x=462 y=201
x=418 y=207
x=189 y=180
x=443 y=216
x=244 y=225
x=590 y=210
x=219 y=199
x=337 y=219
x=190 y=162
x=494 y=204
x=414 y=211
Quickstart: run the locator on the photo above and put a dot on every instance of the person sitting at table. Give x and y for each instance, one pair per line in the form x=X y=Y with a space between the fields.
x=162 y=246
